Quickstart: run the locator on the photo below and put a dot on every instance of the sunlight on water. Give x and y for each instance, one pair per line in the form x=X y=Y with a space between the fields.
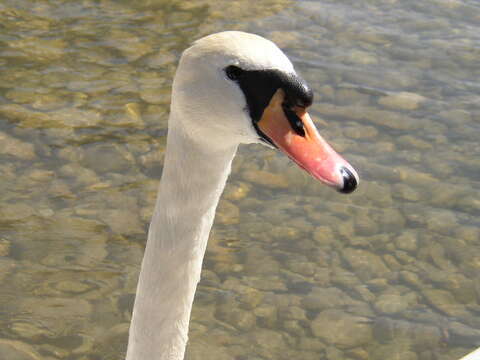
x=293 y=269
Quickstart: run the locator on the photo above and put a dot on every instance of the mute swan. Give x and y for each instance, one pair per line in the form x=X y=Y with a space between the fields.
x=230 y=88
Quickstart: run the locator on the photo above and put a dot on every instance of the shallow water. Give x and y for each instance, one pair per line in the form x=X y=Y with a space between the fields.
x=293 y=269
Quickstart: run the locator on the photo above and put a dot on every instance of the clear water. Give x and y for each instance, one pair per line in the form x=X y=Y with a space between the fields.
x=293 y=269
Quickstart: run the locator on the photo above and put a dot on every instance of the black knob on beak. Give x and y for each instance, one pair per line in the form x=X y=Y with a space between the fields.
x=349 y=181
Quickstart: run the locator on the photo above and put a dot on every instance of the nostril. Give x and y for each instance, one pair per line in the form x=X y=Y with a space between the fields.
x=349 y=181
x=295 y=122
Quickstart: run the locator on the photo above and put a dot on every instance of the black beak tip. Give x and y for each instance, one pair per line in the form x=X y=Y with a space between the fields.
x=349 y=181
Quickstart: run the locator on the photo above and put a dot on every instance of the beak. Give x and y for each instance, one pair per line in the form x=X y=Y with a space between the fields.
x=306 y=147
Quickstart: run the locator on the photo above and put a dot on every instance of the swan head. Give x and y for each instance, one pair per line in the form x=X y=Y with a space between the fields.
x=233 y=87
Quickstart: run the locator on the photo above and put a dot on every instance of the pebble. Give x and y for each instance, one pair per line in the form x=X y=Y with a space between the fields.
x=358 y=354
x=153 y=161
x=268 y=343
x=267 y=283
x=29 y=331
x=351 y=96
x=284 y=38
x=26 y=118
x=235 y=191
x=444 y=193
x=250 y=298
x=366 y=265
x=327 y=91
x=378 y=194
x=267 y=315
x=154 y=96
x=390 y=304
x=387 y=329
x=20 y=96
x=79 y=174
x=411 y=279
x=405 y=192
x=395 y=350
x=17 y=350
x=439 y=168
x=123 y=221
x=345 y=230
x=303 y=268
x=461 y=287
x=402 y=101
x=238 y=318
x=325 y=298
x=365 y=226
x=73 y=287
x=293 y=313
x=342 y=329
x=415 y=178
x=132 y=119
x=7 y=266
x=5 y=246
x=311 y=343
x=469 y=204
x=436 y=253
x=391 y=262
x=51 y=352
x=426 y=337
x=323 y=235
x=59 y=189
x=467 y=233
x=333 y=353
x=444 y=302
x=404 y=258
x=107 y=158
x=161 y=59
x=39 y=175
x=360 y=132
x=382 y=118
x=55 y=313
x=264 y=178
x=201 y=350
x=49 y=102
x=15 y=212
x=463 y=333
x=227 y=213
x=283 y=232
x=459 y=117
x=407 y=241
x=294 y=328
x=343 y=278
x=413 y=142
x=362 y=57
x=259 y=262
x=16 y=148
x=131 y=46
x=39 y=48
x=392 y=220
x=441 y=221
x=364 y=293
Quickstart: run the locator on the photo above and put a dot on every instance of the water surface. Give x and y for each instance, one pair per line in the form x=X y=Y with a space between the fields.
x=293 y=270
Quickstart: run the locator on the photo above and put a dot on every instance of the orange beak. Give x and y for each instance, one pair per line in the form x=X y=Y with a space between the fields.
x=310 y=151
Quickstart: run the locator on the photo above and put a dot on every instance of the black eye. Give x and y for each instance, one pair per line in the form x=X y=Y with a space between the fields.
x=233 y=72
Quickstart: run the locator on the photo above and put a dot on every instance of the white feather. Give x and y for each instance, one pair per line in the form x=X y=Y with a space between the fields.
x=208 y=121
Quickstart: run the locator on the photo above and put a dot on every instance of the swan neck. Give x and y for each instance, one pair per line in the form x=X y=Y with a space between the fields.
x=193 y=179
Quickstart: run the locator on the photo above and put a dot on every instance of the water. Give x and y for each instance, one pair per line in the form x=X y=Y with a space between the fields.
x=293 y=269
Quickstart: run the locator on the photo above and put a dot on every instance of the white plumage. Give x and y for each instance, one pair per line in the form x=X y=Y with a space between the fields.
x=208 y=120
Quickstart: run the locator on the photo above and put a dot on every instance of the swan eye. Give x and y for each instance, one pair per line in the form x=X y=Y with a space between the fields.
x=233 y=72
